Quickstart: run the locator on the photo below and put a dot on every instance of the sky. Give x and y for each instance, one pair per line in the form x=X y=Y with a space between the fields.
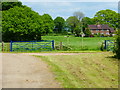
x=66 y=8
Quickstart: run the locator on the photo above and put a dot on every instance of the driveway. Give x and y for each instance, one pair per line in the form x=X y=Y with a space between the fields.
x=26 y=71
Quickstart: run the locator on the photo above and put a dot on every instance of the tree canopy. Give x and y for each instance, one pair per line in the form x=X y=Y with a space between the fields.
x=48 y=23
x=72 y=22
x=59 y=24
x=107 y=16
x=21 y=23
x=8 y=5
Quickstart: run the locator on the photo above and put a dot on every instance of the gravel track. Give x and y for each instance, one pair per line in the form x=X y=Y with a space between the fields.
x=26 y=71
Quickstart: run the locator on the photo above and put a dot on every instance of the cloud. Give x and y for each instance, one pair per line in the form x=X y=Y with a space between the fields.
x=66 y=9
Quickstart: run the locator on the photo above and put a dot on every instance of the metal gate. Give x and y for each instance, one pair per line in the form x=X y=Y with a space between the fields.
x=22 y=46
x=109 y=45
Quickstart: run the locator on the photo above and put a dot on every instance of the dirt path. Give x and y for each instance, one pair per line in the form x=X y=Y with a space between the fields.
x=25 y=71
x=48 y=54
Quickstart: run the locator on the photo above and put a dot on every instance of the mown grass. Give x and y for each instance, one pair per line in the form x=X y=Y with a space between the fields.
x=75 y=43
x=88 y=70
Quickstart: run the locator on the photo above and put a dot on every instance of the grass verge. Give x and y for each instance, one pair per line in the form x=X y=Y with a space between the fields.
x=88 y=70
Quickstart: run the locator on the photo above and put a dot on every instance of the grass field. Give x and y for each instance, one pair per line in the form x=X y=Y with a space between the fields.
x=88 y=70
x=75 y=43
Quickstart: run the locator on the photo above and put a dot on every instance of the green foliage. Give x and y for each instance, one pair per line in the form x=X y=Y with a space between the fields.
x=107 y=17
x=48 y=23
x=77 y=31
x=87 y=32
x=87 y=21
x=72 y=22
x=59 y=24
x=21 y=23
x=117 y=46
x=8 y=5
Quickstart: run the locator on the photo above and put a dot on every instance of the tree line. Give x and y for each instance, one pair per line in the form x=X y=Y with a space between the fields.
x=20 y=23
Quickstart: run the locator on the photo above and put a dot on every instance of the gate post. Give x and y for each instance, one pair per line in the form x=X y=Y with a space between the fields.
x=105 y=47
x=2 y=46
x=10 y=46
x=53 y=44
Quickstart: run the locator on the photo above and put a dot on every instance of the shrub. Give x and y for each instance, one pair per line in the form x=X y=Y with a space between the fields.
x=117 y=45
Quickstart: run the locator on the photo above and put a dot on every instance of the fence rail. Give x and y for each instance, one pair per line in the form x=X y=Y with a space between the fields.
x=23 y=46
x=109 y=45
x=43 y=45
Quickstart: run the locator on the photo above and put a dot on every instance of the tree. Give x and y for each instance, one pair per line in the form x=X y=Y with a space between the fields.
x=78 y=15
x=21 y=23
x=87 y=32
x=8 y=5
x=117 y=48
x=59 y=24
x=117 y=45
x=72 y=22
x=48 y=23
x=107 y=17
x=77 y=31
x=87 y=21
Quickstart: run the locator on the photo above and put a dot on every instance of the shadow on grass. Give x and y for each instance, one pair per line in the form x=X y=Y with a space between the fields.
x=113 y=57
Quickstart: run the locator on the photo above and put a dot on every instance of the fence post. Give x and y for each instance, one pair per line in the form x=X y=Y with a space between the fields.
x=2 y=46
x=10 y=46
x=53 y=44
x=61 y=46
x=105 y=47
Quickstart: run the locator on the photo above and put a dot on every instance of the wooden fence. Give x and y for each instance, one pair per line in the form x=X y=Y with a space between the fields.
x=4 y=47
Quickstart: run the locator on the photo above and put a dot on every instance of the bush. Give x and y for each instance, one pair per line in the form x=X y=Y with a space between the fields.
x=117 y=48
x=117 y=44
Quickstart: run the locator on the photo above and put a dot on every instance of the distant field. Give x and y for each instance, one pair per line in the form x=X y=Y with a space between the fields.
x=75 y=43
x=88 y=70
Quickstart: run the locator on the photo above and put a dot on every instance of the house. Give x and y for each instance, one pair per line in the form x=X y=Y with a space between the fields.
x=102 y=29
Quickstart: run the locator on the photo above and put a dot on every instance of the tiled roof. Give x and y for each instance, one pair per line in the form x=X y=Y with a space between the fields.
x=100 y=27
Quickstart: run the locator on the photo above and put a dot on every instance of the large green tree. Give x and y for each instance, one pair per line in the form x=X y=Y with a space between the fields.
x=87 y=21
x=72 y=22
x=8 y=5
x=59 y=24
x=107 y=16
x=21 y=23
x=48 y=23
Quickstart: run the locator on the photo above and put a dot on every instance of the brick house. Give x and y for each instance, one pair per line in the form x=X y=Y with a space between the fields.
x=102 y=29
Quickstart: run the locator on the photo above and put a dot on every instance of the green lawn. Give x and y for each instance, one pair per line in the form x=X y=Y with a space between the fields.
x=88 y=70
x=75 y=43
